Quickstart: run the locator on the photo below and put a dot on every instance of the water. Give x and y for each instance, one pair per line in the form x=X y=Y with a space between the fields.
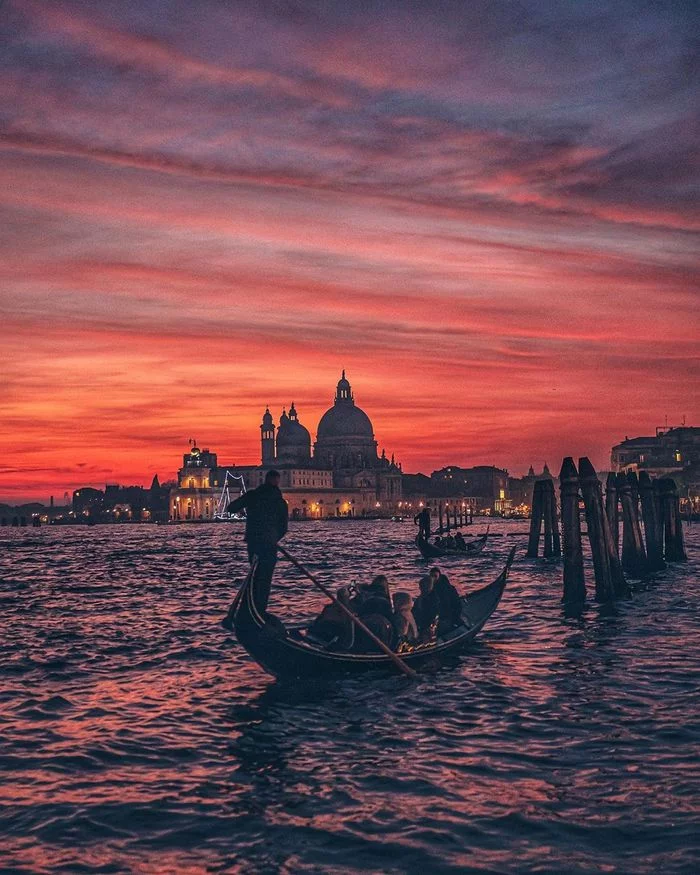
x=136 y=736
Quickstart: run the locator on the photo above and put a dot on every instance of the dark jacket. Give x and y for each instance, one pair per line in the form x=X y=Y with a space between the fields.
x=333 y=625
x=450 y=604
x=267 y=515
x=375 y=604
x=425 y=611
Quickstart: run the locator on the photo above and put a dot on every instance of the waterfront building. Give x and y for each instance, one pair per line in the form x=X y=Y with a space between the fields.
x=196 y=494
x=421 y=491
x=522 y=488
x=120 y=503
x=88 y=501
x=344 y=475
x=484 y=487
x=670 y=451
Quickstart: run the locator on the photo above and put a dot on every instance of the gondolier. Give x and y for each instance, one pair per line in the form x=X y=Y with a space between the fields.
x=422 y=520
x=267 y=520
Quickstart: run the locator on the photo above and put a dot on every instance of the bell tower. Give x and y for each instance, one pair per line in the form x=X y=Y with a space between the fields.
x=267 y=438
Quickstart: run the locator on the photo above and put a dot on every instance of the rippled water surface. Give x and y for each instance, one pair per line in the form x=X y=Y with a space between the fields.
x=136 y=736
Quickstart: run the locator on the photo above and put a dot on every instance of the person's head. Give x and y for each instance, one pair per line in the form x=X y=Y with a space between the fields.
x=435 y=574
x=343 y=596
x=272 y=478
x=402 y=601
x=425 y=584
x=380 y=585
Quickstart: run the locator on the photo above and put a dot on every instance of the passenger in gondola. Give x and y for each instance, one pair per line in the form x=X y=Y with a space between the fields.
x=425 y=609
x=374 y=598
x=333 y=626
x=438 y=541
x=450 y=604
x=460 y=543
x=373 y=606
x=404 y=621
x=449 y=543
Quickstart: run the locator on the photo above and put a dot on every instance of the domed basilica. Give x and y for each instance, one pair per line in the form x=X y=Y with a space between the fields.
x=345 y=447
x=344 y=476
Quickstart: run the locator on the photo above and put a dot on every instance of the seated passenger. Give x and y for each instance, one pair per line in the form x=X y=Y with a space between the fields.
x=438 y=542
x=460 y=543
x=373 y=606
x=404 y=623
x=334 y=626
x=450 y=604
x=374 y=599
x=449 y=542
x=382 y=629
x=425 y=609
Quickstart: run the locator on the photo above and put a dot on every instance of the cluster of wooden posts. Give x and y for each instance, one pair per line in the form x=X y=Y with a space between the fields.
x=641 y=555
x=461 y=516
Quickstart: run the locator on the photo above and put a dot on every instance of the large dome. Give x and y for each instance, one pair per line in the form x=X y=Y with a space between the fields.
x=345 y=438
x=345 y=420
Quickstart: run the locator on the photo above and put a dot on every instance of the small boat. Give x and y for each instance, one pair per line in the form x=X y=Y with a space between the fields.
x=290 y=653
x=433 y=551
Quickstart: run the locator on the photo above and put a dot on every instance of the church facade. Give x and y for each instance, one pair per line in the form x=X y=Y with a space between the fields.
x=342 y=476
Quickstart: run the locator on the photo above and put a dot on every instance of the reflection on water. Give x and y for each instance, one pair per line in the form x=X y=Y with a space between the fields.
x=138 y=737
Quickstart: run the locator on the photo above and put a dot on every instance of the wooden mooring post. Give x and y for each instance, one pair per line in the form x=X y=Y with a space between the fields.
x=440 y=517
x=612 y=508
x=609 y=578
x=533 y=543
x=634 y=557
x=674 y=549
x=544 y=511
x=547 y=497
x=556 y=538
x=454 y=516
x=653 y=532
x=552 y=543
x=574 y=581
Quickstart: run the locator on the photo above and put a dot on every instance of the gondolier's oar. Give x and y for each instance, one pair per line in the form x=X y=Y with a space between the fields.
x=399 y=663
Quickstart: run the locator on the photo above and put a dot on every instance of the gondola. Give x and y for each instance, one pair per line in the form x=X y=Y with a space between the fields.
x=432 y=551
x=290 y=653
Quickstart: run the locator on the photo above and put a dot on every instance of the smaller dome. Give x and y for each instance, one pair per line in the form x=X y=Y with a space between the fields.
x=293 y=440
x=291 y=432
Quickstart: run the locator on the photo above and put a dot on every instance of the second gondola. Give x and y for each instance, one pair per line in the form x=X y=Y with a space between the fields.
x=435 y=551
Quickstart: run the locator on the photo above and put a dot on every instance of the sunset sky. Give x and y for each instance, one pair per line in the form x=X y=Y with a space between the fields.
x=487 y=212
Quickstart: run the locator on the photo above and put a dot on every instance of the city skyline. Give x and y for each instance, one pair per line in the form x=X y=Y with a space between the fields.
x=487 y=216
x=169 y=473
